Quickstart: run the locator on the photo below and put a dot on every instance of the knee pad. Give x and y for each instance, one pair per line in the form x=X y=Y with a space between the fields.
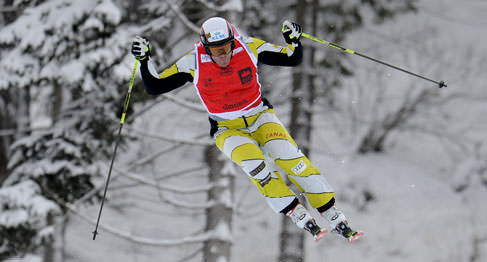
x=257 y=169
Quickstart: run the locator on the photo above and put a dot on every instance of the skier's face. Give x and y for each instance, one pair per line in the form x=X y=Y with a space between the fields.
x=222 y=54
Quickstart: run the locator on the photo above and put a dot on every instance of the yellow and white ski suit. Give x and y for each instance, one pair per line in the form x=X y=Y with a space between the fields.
x=247 y=130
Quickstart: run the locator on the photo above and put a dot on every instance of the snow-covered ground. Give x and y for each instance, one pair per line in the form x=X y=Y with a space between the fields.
x=414 y=213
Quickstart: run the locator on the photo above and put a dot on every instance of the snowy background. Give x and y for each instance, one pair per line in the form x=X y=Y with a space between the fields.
x=420 y=200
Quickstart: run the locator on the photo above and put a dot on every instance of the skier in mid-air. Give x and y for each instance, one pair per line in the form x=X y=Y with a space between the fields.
x=223 y=68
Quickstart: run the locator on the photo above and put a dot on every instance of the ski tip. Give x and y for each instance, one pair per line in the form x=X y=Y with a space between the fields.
x=320 y=235
x=355 y=237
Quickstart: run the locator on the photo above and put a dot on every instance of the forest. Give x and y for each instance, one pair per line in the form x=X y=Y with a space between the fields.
x=408 y=160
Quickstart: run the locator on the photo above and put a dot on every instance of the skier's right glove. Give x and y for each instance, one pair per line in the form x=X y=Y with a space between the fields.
x=140 y=48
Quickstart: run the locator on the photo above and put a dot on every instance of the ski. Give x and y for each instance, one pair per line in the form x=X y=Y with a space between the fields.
x=355 y=236
x=320 y=235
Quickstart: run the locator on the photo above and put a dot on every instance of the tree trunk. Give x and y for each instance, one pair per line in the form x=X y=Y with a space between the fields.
x=14 y=122
x=219 y=215
x=5 y=135
x=14 y=102
x=54 y=250
x=292 y=238
x=57 y=101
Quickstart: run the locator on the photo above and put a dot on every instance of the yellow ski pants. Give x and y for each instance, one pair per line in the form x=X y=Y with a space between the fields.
x=247 y=140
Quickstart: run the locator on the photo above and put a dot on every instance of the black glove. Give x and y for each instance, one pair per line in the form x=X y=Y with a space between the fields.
x=291 y=32
x=140 y=48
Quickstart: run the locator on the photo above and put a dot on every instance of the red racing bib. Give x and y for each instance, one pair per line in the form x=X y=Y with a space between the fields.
x=231 y=91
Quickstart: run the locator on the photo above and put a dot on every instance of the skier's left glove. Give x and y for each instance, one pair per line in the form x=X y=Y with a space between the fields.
x=291 y=32
x=140 y=48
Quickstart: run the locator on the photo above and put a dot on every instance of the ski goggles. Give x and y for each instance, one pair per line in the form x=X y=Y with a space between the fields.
x=224 y=49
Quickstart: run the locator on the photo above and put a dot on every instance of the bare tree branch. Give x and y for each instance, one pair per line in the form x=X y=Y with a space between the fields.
x=185 y=103
x=202 y=237
x=175 y=174
x=8 y=9
x=224 y=8
x=7 y=132
x=152 y=157
x=191 y=255
x=453 y=138
x=153 y=103
x=200 y=169
x=183 y=17
x=192 y=239
x=169 y=139
x=155 y=25
x=165 y=187
x=205 y=236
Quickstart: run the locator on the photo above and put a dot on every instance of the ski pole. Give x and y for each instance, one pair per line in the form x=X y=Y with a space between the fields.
x=122 y=121
x=439 y=83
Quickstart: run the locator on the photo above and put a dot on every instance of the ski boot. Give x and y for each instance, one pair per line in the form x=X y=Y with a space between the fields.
x=339 y=224
x=316 y=231
x=303 y=219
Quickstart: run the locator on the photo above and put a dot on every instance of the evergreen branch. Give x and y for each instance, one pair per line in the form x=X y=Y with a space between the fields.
x=10 y=132
x=92 y=193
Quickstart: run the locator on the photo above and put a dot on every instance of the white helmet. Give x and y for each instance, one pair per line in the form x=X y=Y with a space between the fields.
x=216 y=31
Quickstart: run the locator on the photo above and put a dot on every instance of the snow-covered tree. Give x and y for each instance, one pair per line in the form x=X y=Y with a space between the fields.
x=14 y=103
x=76 y=57
x=75 y=54
x=23 y=226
